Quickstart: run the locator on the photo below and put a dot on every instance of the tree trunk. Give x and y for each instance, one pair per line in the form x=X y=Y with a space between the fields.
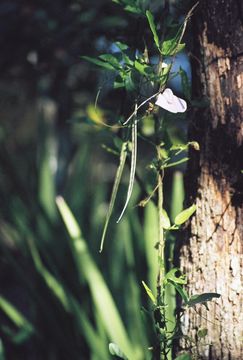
x=211 y=254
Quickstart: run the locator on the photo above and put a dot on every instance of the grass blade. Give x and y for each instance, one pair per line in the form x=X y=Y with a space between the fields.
x=101 y=295
x=177 y=197
x=15 y=316
x=2 y=352
x=70 y=304
x=151 y=239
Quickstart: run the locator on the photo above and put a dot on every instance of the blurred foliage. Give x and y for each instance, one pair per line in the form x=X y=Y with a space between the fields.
x=51 y=303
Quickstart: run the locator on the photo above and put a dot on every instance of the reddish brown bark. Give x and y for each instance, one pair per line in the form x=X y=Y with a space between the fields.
x=211 y=254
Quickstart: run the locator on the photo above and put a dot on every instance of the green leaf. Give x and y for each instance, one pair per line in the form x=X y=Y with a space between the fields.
x=115 y=350
x=117 y=181
x=165 y=220
x=25 y=330
x=118 y=84
x=141 y=68
x=69 y=303
x=153 y=28
x=121 y=45
x=149 y=292
x=51 y=282
x=112 y=60
x=130 y=5
x=133 y=9
x=129 y=83
x=22 y=335
x=14 y=315
x=176 y=276
x=98 y=62
x=199 y=299
x=170 y=47
x=183 y=293
x=183 y=216
x=89 y=271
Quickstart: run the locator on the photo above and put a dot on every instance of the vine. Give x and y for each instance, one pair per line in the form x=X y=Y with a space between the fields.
x=140 y=76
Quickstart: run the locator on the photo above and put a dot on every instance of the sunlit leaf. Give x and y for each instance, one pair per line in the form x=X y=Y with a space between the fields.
x=165 y=220
x=153 y=28
x=121 y=45
x=170 y=47
x=101 y=295
x=96 y=114
x=14 y=315
x=183 y=216
x=141 y=68
x=176 y=276
x=115 y=350
x=149 y=292
x=25 y=328
x=68 y=302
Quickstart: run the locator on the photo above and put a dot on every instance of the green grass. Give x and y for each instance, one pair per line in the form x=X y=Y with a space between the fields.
x=78 y=300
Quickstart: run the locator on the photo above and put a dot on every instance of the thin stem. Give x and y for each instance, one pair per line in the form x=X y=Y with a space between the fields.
x=160 y=315
x=140 y=105
x=161 y=244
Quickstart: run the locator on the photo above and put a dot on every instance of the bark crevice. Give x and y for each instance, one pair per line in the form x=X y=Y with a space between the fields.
x=211 y=253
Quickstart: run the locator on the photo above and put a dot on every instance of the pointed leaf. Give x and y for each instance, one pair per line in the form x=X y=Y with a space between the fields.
x=153 y=28
x=170 y=47
x=100 y=292
x=121 y=45
x=133 y=9
x=149 y=292
x=199 y=299
x=112 y=60
x=98 y=62
x=14 y=315
x=181 y=291
x=183 y=216
x=165 y=220
x=172 y=276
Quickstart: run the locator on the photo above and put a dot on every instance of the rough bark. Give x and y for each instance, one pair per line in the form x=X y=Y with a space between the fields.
x=211 y=254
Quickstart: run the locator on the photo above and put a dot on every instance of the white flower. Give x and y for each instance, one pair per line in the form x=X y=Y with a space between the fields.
x=164 y=65
x=170 y=102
